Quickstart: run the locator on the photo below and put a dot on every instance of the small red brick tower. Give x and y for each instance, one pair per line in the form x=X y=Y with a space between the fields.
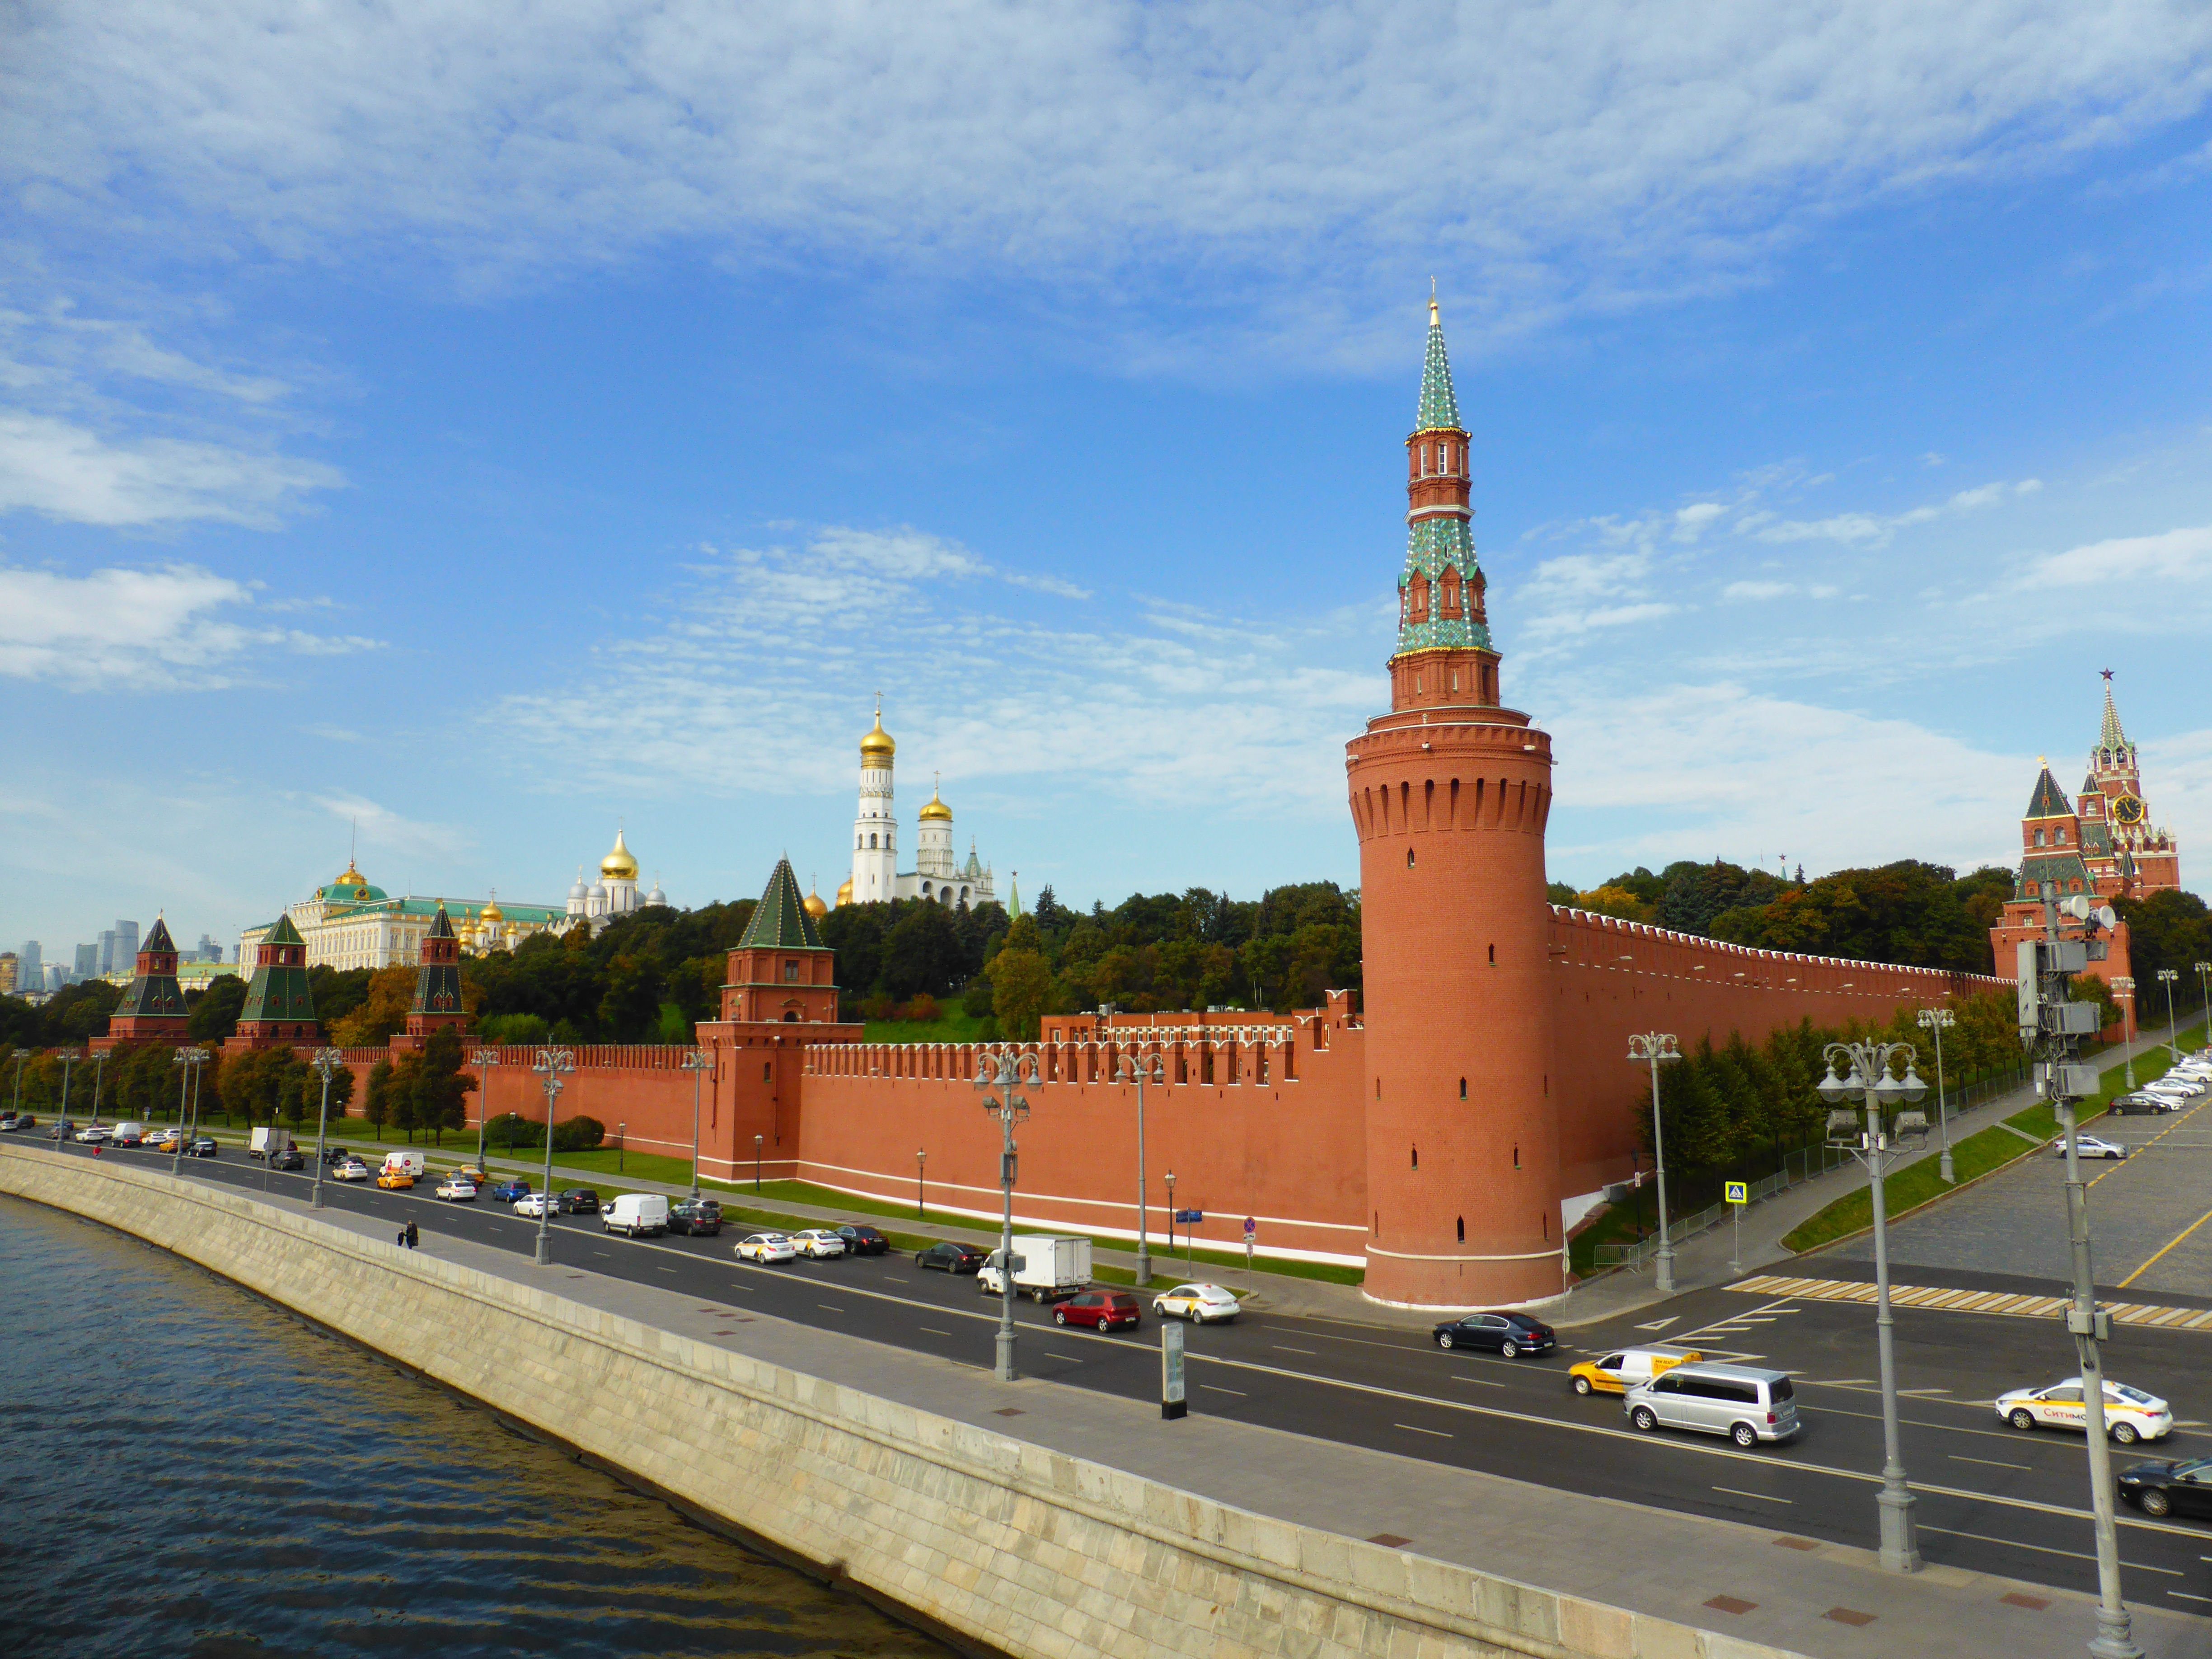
x=153 y=1009
x=280 y=1007
x=438 y=982
x=1450 y=795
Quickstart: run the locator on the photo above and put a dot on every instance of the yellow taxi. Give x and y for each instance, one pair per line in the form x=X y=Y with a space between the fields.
x=1626 y=1368
x=169 y=1142
x=391 y=1180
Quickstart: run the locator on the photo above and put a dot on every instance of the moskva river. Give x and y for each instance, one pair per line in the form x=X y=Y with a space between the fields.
x=191 y=1470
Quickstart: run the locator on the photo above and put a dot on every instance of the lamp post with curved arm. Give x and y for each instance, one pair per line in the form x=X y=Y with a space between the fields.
x=23 y=1054
x=1003 y=1073
x=484 y=1060
x=192 y=1059
x=552 y=1066
x=2124 y=988
x=326 y=1060
x=1875 y=1144
x=1151 y=1068
x=696 y=1062
x=2166 y=977
x=1653 y=1047
x=1940 y=1020
x=67 y=1057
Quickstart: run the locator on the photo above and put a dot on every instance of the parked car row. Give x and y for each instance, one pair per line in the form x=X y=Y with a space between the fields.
x=816 y=1243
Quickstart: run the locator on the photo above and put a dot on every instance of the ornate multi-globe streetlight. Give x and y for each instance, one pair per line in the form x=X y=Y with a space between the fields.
x=189 y=1060
x=326 y=1061
x=552 y=1066
x=2124 y=988
x=1653 y=1047
x=1004 y=1071
x=1940 y=1020
x=1151 y=1068
x=484 y=1060
x=1870 y=1082
x=2166 y=977
x=696 y=1061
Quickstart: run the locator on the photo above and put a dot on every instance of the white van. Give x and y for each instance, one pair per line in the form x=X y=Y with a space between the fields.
x=635 y=1214
x=404 y=1162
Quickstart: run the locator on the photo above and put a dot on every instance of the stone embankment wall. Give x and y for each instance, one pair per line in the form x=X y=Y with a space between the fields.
x=1009 y=1546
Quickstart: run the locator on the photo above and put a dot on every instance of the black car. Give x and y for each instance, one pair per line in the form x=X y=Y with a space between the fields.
x=863 y=1240
x=578 y=1200
x=204 y=1147
x=696 y=1215
x=288 y=1160
x=2147 y=1103
x=2183 y=1487
x=950 y=1258
x=336 y=1155
x=1509 y=1334
x=12 y=1122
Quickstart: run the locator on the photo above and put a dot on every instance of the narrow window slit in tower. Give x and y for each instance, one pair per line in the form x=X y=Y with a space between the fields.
x=1417 y=1157
x=1494 y=956
x=1462 y=1230
x=1463 y=1088
x=1409 y=857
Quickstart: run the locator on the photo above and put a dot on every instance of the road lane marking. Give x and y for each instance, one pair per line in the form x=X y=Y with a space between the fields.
x=2045 y=1549
x=2184 y=1596
x=1659 y=1324
x=1212 y=1388
x=1957 y=1458
x=2177 y=1239
x=1936 y=1298
x=1763 y=1497
x=827 y=1308
x=1310 y=1352
x=932 y=1330
x=1479 y=1381
x=1414 y=1428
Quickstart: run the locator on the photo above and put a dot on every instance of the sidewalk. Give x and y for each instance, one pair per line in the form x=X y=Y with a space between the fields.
x=1710 y=1259
x=1826 y=1600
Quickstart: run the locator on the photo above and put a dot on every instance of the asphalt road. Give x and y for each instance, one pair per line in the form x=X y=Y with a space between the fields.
x=1991 y=1499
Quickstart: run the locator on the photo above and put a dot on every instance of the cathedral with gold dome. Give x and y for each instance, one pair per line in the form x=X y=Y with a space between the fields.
x=938 y=874
x=350 y=922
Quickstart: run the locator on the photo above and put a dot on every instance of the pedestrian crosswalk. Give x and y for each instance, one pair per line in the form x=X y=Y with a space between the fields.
x=2147 y=1315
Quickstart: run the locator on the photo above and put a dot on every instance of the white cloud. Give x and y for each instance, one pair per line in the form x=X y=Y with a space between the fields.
x=134 y=629
x=1691 y=522
x=394 y=835
x=1757 y=590
x=2182 y=558
x=62 y=470
x=1549 y=154
x=1876 y=529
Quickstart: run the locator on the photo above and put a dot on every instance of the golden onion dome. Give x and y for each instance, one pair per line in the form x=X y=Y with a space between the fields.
x=816 y=908
x=491 y=913
x=618 y=864
x=845 y=893
x=877 y=749
x=937 y=811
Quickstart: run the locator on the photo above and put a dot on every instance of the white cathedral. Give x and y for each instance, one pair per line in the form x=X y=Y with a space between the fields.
x=938 y=875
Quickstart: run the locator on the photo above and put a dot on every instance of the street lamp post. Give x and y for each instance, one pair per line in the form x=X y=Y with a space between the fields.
x=2124 y=988
x=757 y=1139
x=2203 y=997
x=922 y=1184
x=2166 y=977
x=326 y=1060
x=98 y=1070
x=1653 y=1047
x=1940 y=1020
x=697 y=1063
x=1154 y=1069
x=1874 y=1146
x=551 y=1065
x=622 y=1144
x=68 y=1057
x=23 y=1054
x=484 y=1060
x=192 y=1059
x=1003 y=1073
x=1169 y=1179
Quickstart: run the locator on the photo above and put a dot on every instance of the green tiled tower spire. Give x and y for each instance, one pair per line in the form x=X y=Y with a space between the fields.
x=1440 y=590
x=1439 y=407
x=152 y=993
x=779 y=921
x=278 y=1002
x=438 y=976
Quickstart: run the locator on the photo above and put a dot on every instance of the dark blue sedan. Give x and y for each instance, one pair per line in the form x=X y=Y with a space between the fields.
x=1509 y=1334
x=507 y=1191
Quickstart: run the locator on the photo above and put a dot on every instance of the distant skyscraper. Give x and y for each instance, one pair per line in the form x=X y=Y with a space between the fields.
x=207 y=949
x=31 y=967
x=87 y=963
x=126 y=948
x=56 y=977
x=104 y=963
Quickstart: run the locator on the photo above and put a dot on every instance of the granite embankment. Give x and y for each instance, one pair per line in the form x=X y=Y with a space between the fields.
x=1004 y=1545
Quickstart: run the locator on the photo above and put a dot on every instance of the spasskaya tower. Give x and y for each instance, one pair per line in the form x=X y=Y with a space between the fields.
x=1450 y=794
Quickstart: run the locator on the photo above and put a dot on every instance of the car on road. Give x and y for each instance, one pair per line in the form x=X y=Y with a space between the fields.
x=63 y=1130
x=290 y=1158
x=352 y=1170
x=2091 y=1146
x=8 y=1120
x=766 y=1247
x=204 y=1148
x=579 y=1200
x=168 y=1141
x=534 y=1204
x=93 y=1134
x=639 y=1215
x=818 y=1244
x=127 y=1137
x=1201 y=1304
x=2124 y=1105
x=948 y=1257
x=392 y=1181
x=2179 y=1487
x=476 y=1172
x=1626 y=1368
x=458 y=1189
x=703 y=1215
x=1102 y=1310
x=2130 y=1413
x=508 y=1190
x=862 y=1240
x=335 y=1155
x=1747 y=1405
x=1509 y=1334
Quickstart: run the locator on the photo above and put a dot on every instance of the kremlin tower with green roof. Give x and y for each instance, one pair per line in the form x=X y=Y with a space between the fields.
x=153 y=1007
x=1444 y=653
x=437 y=980
x=280 y=1008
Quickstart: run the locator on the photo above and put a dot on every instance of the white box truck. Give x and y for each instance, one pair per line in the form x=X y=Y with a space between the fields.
x=269 y=1142
x=1046 y=1267
x=405 y=1159
x=636 y=1214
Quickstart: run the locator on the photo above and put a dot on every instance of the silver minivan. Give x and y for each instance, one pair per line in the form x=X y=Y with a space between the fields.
x=1746 y=1405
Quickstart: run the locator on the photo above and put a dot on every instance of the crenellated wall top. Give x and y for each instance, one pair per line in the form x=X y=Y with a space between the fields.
x=1592 y=923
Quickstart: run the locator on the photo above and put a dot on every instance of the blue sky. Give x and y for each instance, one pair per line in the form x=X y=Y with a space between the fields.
x=491 y=425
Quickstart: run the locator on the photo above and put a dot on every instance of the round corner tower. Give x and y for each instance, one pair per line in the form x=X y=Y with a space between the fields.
x=1450 y=793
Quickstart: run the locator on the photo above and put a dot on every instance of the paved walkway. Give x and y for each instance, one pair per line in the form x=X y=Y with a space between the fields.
x=1823 y=1600
x=1712 y=1258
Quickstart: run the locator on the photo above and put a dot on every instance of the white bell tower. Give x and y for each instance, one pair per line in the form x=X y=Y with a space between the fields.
x=875 y=831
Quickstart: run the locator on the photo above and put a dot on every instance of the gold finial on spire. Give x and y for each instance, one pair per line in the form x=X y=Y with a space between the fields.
x=1435 y=317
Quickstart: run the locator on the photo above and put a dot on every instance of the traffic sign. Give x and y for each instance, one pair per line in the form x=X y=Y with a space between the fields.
x=1738 y=1192
x=1251 y=1226
x=1190 y=1218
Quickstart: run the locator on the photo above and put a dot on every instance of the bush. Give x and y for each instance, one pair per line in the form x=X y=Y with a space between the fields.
x=578 y=1134
x=922 y=1008
x=516 y=1029
x=878 y=1006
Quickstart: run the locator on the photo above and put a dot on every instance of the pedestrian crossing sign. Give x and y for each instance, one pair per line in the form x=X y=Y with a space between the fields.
x=1739 y=1191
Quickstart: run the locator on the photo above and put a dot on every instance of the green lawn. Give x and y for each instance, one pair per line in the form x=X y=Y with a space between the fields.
x=949 y=1028
x=1992 y=1148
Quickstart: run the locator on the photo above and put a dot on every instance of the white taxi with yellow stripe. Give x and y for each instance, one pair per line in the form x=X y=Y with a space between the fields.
x=2130 y=1413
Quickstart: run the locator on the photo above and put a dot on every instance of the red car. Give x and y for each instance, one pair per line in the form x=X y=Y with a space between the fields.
x=1105 y=1310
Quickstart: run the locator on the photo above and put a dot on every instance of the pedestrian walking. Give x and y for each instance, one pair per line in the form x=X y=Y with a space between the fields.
x=412 y=1238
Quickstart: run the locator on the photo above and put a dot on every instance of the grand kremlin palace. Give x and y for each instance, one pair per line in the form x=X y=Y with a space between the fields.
x=1444 y=1134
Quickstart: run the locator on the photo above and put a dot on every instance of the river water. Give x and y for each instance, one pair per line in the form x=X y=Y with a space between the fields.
x=192 y=1471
